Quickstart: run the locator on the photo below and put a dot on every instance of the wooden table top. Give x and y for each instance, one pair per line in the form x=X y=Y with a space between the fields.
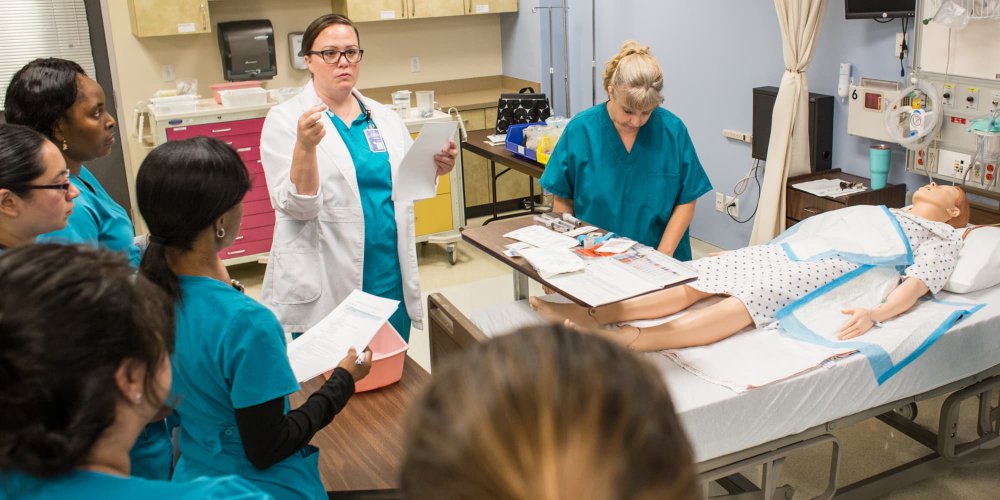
x=490 y=239
x=499 y=154
x=362 y=449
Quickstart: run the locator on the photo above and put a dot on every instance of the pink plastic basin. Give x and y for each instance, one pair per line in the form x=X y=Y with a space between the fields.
x=231 y=86
x=388 y=355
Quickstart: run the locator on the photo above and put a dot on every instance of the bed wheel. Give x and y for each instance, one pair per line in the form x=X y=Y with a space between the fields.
x=908 y=412
x=452 y=254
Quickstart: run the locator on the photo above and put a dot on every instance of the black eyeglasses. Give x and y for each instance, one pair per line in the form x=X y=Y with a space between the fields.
x=333 y=56
x=64 y=186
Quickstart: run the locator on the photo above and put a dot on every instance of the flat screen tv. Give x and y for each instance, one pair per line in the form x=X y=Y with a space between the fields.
x=879 y=9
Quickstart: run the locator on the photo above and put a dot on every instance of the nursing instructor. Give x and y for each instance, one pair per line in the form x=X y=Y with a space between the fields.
x=330 y=156
x=628 y=165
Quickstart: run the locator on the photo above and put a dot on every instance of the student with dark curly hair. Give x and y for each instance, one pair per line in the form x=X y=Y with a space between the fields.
x=36 y=195
x=84 y=366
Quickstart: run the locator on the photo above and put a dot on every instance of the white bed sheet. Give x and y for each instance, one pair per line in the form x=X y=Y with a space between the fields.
x=719 y=421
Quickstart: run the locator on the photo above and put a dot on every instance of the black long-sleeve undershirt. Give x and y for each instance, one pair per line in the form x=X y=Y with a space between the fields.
x=270 y=435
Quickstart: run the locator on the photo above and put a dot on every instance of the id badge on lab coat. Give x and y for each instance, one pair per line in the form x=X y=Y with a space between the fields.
x=375 y=142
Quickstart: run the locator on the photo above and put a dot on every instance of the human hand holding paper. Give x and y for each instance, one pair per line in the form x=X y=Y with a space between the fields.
x=357 y=365
x=352 y=323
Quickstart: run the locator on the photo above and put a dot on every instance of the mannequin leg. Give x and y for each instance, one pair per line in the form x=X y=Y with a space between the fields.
x=652 y=305
x=701 y=327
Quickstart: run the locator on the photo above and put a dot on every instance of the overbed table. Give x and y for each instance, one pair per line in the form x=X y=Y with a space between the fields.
x=490 y=239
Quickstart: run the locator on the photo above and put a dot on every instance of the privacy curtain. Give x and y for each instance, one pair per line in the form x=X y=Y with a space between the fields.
x=788 y=149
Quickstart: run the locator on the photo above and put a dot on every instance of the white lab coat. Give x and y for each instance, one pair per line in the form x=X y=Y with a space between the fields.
x=317 y=254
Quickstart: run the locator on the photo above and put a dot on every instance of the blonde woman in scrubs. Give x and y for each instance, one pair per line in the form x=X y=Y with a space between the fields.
x=628 y=165
x=330 y=156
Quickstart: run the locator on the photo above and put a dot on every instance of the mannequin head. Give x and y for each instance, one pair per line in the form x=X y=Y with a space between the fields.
x=943 y=204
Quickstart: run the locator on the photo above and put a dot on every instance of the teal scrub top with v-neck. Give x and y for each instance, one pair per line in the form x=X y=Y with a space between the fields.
x=230 y=353
x=97 y=220
x=631 y=193
x=380 y=275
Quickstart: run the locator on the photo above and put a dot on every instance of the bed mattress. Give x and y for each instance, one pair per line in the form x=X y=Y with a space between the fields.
x=720 y=421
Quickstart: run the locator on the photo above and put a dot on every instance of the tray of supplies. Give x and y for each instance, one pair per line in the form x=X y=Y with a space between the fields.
x=515 y=143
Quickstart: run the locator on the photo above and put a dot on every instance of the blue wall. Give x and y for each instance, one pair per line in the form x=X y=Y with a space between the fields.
x=713 y=52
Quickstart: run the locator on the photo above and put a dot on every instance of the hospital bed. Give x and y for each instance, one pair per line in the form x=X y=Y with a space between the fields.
x=733 y=433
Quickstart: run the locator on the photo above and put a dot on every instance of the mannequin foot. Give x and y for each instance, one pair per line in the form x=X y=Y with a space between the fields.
x=554 y=311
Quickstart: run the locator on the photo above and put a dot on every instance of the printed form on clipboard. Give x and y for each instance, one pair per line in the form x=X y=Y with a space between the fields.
x=612 y=279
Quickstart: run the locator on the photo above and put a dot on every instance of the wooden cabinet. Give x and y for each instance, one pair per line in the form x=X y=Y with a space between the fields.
x=490 y=6
x=801 y=205
x=168 y=17
x=434 y=8
x=385 y=10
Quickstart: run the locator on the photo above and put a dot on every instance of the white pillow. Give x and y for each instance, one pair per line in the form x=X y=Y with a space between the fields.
x=979 y=262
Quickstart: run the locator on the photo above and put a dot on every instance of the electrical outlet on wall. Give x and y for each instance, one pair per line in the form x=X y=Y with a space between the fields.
x=720 y=202
x=414 y=65
x=167 y=73
x=733 y=206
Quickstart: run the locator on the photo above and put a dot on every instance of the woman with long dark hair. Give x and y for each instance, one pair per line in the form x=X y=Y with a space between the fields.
x=231 y=371
x=84 y=366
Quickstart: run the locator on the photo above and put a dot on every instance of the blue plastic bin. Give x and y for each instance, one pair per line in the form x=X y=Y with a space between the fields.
x=515 y=141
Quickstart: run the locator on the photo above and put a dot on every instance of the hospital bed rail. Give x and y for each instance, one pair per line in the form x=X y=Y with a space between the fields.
x=451 y=331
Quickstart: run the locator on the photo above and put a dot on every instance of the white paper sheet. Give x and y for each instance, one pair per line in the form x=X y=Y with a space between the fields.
x=615 y=245
x=417 y=176
x=827 y=187
x=611 y=279
x=551 y=262
x=353 y=323
x=542 y=237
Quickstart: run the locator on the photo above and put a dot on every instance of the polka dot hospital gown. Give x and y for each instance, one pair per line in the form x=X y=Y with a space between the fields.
x=766 y=280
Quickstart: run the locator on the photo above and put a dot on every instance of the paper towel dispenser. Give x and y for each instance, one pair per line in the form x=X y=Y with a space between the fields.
x=247 y=49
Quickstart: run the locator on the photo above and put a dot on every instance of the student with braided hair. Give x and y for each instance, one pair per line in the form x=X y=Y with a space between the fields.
x=628 y=165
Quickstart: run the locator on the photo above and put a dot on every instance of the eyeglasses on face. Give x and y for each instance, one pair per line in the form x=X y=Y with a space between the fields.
x=333 y=56
x=63 y=186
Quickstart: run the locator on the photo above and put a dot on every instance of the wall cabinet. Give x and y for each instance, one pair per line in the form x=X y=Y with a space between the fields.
x=168 y=17
x=384 y=10
x=490 y=6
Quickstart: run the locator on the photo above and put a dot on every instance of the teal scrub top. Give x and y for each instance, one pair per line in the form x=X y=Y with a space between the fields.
x=97 y=219
x=381 y=275
x=631 y=193
x=230 y=353
x=89 y=484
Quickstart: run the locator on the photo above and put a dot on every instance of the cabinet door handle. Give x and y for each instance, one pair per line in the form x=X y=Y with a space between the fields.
x=813 y=211
x=240 y=237
x=221 y=130
x=237 y=252
x=243 y=150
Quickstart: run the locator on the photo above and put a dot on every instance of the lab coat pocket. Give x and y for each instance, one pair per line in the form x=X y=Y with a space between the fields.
x=299 y=283
x=342 y=214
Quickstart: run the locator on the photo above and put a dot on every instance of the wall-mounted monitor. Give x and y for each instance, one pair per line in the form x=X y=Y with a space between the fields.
x=879 y=9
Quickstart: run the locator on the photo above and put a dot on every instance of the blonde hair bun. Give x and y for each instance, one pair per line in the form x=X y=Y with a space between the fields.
x=634 y=76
